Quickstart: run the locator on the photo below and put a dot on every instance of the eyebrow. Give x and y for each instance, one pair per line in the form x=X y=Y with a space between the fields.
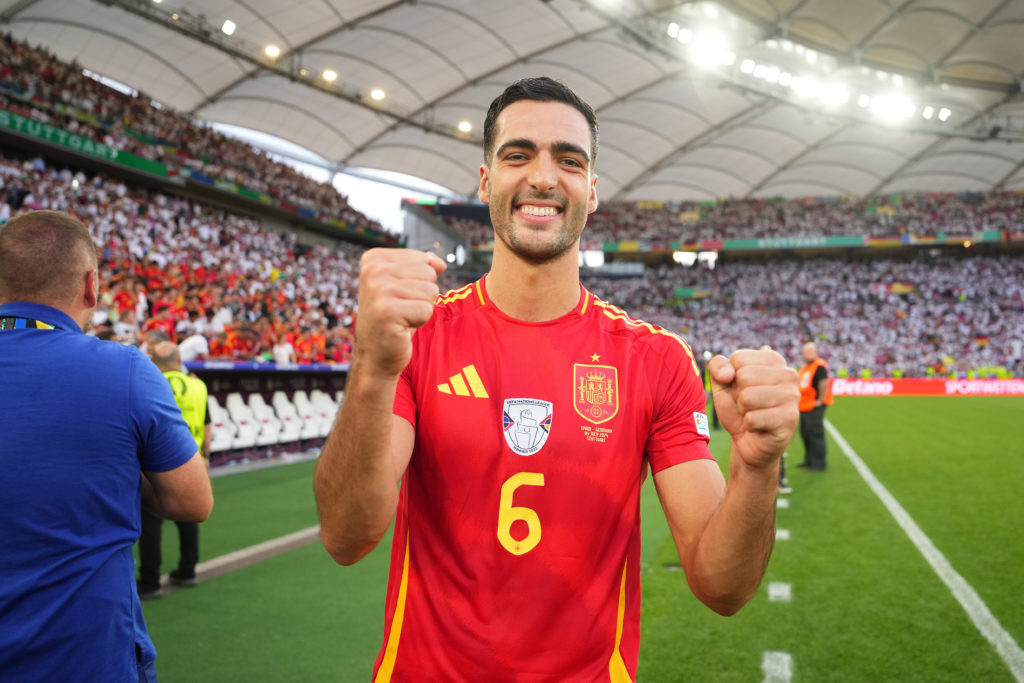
x=559 y=147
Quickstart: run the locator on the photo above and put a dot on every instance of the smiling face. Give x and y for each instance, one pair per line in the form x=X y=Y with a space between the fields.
x=539 y=181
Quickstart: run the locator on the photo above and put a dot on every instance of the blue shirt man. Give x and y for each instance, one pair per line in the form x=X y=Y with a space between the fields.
x=91 y=433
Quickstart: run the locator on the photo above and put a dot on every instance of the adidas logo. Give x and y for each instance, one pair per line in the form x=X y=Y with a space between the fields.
x=465 y=383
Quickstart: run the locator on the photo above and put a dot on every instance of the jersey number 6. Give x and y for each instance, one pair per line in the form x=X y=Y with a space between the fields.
x=509 y=514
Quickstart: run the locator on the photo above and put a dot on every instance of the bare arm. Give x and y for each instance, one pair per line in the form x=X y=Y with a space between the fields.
x=822 y=389
x=207 y=438
x=368 y=449
x=724 y=534
x=183 y=494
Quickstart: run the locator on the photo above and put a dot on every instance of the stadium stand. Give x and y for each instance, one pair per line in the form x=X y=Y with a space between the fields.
x=922 y=215
x=227 y=289
x=193 y=270
x=37 y=85
x=922 y=315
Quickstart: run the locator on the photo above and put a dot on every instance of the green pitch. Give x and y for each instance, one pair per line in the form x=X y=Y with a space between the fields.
x=865 y=605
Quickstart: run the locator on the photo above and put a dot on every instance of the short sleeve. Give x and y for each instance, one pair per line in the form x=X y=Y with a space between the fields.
x=405 y=399
x=819 y=374
x=679 y=426
x=165 y=442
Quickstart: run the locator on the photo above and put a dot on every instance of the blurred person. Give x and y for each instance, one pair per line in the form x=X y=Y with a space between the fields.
x=194 y=347
x=509 y=536
x=815 y=394
x=190 y=394
x=126 y=328
x=283 y=351
x=99 y=436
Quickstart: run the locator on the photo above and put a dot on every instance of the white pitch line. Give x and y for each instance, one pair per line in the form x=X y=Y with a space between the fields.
x=782 y=534
x=782 y=503
x=266 y=547
x=780 y=592
x=777 y=667
x=968 y=598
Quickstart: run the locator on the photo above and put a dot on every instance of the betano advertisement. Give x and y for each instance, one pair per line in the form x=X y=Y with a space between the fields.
x=927 y=387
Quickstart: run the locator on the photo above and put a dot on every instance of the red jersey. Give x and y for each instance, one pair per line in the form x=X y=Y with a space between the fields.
x=516 y=551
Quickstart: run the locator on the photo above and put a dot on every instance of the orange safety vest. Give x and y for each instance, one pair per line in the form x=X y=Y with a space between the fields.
x=808 y=392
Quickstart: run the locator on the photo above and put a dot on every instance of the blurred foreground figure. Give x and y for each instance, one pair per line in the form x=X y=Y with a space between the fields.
x=91 y=431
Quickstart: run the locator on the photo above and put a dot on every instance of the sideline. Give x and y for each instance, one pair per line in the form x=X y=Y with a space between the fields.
x=976 y=609
x=240 y=559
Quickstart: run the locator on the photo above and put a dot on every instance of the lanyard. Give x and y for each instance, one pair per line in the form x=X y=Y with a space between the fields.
x=10 y=322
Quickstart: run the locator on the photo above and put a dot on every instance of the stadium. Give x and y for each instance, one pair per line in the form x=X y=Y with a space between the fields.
x=770 y=173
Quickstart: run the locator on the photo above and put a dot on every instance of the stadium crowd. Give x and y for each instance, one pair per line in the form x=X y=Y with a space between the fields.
x=227 y=289
x=923 y=316
x=215 y=282
x=924 y=215
x=37 y=85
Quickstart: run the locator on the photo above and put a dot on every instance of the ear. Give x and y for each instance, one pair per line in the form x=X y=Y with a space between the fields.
x=91 y=295
x=482 y=192
x=592 y=200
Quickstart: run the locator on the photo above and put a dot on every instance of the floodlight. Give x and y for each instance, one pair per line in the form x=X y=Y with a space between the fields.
x=228 y=27
x=377 y=94
x=272 y=51
x=892 y=107
x=834 y=95
x=329 y=75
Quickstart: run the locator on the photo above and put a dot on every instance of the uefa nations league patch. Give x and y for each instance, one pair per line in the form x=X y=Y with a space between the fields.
x=701 y=420
x=526 y=423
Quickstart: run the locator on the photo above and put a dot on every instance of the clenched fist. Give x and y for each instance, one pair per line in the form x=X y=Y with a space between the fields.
x=756 y=399
x=397 y=288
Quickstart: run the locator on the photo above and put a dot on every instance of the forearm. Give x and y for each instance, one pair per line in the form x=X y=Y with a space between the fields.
x=733 y=551
x=355 y=481
x=183 y=495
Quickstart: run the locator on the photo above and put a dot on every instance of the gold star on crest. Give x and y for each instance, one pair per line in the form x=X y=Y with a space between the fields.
x=595 y=358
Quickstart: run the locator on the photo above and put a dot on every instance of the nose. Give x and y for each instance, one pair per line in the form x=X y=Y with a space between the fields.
x=543 y=175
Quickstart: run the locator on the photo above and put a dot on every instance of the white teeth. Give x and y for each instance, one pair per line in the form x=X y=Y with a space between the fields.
x=538 y=210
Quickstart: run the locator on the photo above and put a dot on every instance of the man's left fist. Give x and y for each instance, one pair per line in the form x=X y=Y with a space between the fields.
x=756 y=396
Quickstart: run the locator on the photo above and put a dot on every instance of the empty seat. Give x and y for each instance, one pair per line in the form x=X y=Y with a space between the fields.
x=270 y=426
x=241 y=415
x=291 y=422
x=327 y=407
x=312 y=418
x=222 y=429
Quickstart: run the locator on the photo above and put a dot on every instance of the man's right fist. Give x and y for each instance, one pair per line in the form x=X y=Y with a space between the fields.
x=397 y=288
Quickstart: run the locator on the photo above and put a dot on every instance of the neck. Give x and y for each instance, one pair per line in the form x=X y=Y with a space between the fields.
x=533 y=293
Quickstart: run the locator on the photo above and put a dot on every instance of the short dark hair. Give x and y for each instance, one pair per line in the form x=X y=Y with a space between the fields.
x=538 y=89
x=43 y=256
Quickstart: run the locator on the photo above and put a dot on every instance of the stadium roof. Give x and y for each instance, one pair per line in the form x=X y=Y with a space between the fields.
x=696 y=100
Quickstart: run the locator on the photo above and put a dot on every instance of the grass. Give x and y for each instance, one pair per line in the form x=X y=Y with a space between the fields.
x=866 y=606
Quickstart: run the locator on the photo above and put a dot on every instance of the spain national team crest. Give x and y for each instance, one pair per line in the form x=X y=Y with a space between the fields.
x=526 y=423
x=596 y=392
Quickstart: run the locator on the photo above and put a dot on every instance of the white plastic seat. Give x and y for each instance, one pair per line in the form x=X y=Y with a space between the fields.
x=291 y=422
x=223 y=430
x=270 y=426
x=241 y=415
x=312 y=420
x=327 y=408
